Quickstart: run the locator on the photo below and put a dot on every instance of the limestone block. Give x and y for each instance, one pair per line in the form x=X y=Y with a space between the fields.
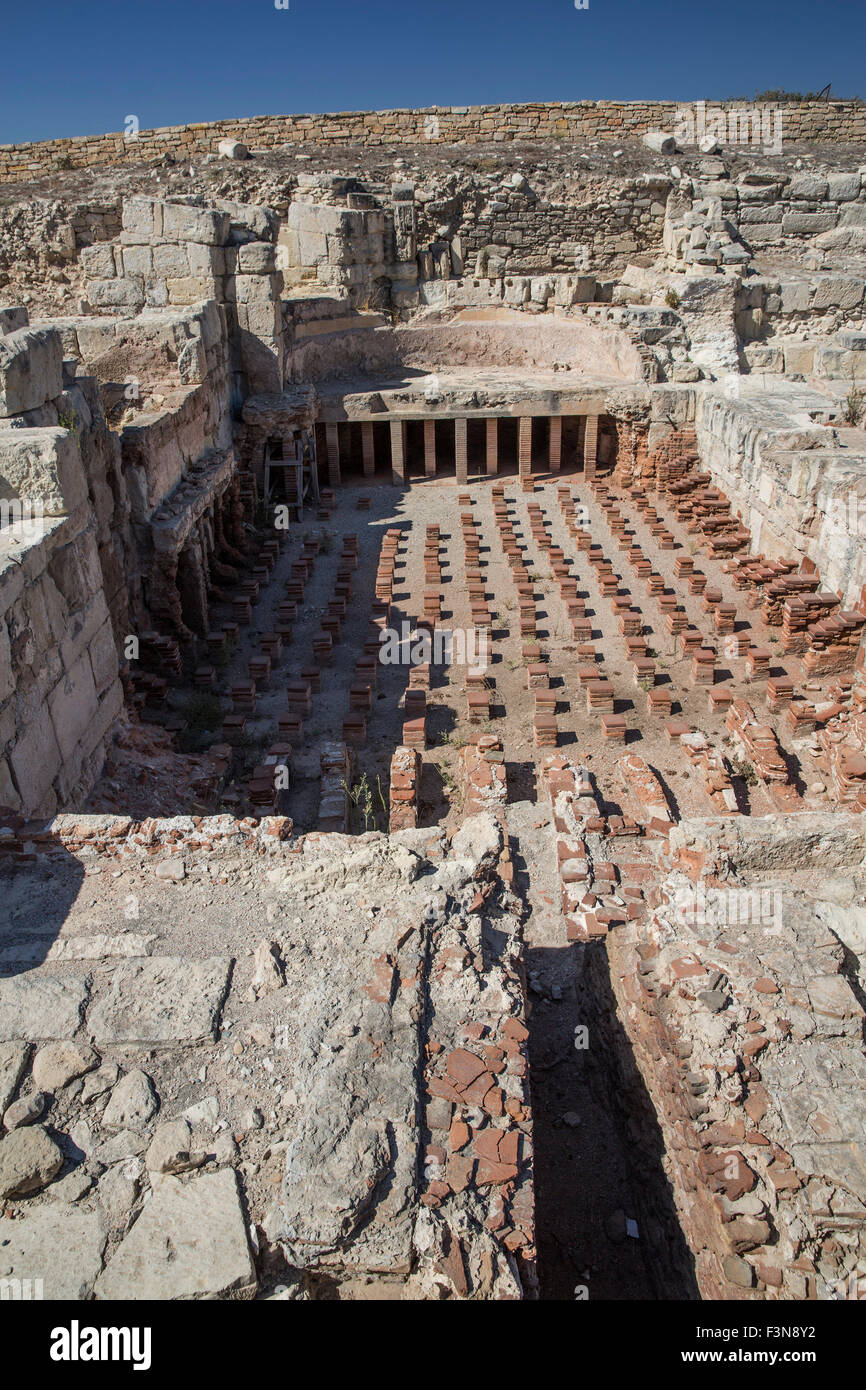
x=758 y=192
x=161 y=999
x=41 y=1008
x=257 y=258
x=799 y=357
x=258 y=289
x=211 y=323
x=839 y=291
x=31 y=369
x=853 y=216
x=183 y=223
x=37 y=1246
x=115 y=294
x=796 y=297
x=13 y=318
x=250 y=222
x=97 y=261
x=759 y=233
x=761 y=212
x=341 y=252
x=807 y=223
x=74 y=568
x=811 y=186
x=43 y=465
x=764 y=359
x=661 y=142
x=72 y=702
x=137 y=261
x=843 y=188
x=141 y=219
x=13 y=1059
x=95 y=336
x=190 y=1241
x=103 y=658
x=156 y=293
x=190 y=289
x=261 y=319
x=833 y=362
x=171 y=261
x=206 y=262
x=262 y=360
x=288 y=248
x=312 y=246
x=192 y=362
x=232 y=149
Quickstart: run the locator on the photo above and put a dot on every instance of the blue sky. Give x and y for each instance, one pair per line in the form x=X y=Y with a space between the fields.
x=81 y=68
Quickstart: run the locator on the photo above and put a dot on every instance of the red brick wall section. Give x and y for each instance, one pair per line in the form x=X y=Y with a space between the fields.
x=669 y=462
x=482 y=775
x=404 y=788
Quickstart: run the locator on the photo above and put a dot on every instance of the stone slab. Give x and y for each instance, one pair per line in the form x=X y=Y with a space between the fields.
x=41 y=1008
x=163 y=999
x=189 y=1242
x=37 y=1246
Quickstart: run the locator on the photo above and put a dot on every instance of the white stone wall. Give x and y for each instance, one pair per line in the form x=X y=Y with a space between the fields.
x=60 y=694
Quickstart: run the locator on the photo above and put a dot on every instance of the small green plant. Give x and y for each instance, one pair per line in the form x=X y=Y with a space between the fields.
x=447 y=777
x=855 y=404
x=744 y=769
x=672 y=299
x=361 y=800
x=70 y=422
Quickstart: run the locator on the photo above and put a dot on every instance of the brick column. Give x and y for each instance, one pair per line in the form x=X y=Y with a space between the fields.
x=332 y=436
x=590 y=445
x=369 y=449
x=555 y=443
x=524 y=453
x=460 y=439
x=398 y=451
x=430 y=448
x=493 y=445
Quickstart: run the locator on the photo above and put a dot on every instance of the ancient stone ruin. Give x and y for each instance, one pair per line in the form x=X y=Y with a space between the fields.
x=433 y=709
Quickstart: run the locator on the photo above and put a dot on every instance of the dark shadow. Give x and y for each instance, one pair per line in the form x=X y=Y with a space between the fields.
x=433 y=804
x=598 y=1149
x=36 y=892
x=522 y=782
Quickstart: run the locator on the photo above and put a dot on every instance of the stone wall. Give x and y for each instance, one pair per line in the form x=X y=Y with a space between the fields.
x=60 y=694
x=796 y=488
x=838 y=121
x=737 y=1020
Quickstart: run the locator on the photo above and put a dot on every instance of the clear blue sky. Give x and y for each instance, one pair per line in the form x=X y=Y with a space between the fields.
x=81 y=66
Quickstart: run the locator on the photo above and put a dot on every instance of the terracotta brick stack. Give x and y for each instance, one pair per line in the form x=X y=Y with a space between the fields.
x=404 y=784
x=483 y=775
x=713 y=769
x=834 y=643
